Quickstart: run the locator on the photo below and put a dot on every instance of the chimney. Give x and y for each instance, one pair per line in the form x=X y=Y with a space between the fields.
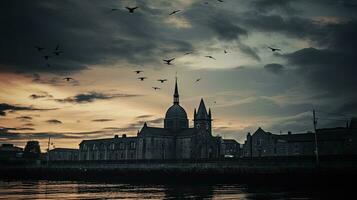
x=116 y=136
x=289 y=132
x=124 y=136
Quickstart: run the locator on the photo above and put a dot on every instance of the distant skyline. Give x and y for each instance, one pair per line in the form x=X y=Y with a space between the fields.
x=67 y=68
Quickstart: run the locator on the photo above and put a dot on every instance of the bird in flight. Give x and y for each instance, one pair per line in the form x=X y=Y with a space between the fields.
x=225 y=51
x=138 y=71
x=142 y=78
x=220 y=1
x=210 y=57
x=57 y=53
x=174 y=12
x=187 y=53
x=198 y=80
x=274 y=49
x=215 y=102
x=46 y=57
x=39 y=48
x=162 y=80
x=131 y=9
x=113 y=9
x=67 y=78
x=168 y=61
x=156 y=88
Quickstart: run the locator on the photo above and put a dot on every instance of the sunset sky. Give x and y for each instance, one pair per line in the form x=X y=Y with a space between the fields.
x=248 y=87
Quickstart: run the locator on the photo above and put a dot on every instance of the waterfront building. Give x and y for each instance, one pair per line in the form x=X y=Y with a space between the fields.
x=231 y=148
x=62 y=154
x=176 y=140
x=32 y=150
x=10 y=152
x=330 y=141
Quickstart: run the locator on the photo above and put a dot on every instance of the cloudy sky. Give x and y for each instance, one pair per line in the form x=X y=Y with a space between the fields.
x=247 y=87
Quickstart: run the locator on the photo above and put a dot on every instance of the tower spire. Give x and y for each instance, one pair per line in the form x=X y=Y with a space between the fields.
x=176 y=94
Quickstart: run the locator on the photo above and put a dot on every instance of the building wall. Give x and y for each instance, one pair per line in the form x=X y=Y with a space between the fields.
x=63 y=155
x=184 y=148
x=110 y=149
x=156 y=147
x=330 y=142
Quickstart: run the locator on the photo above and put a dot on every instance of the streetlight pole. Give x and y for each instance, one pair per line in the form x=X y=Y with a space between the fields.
x=316 y=145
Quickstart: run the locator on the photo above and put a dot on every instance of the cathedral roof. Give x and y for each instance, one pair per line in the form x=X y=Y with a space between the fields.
x=155 y=131
x=202 y=111
x=176 y=111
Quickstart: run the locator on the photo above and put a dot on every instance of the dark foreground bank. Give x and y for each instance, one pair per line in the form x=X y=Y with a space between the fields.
x=332 y=172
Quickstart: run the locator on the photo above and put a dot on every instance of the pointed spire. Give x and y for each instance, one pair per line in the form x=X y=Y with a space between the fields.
x=202 y=111
x=209 y=113
x=176 y=94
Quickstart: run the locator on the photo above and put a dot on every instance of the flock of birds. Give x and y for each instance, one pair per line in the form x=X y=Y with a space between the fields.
x=48 y=55
x=131 y=10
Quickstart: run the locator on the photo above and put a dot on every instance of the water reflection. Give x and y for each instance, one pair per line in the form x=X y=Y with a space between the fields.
x=87 y=190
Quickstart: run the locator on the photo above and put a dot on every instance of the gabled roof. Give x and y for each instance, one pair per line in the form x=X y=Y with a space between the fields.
x=261 y=131
x=232 y=141
x=155 y=131
x=108 y=140
x=202 y=111
x=64 y=149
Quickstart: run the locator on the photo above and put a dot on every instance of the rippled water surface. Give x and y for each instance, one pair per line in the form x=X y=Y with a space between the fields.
x=91 y=190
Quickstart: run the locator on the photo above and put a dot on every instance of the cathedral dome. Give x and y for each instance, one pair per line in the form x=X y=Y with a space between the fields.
x=176 y=112
x=176 y=116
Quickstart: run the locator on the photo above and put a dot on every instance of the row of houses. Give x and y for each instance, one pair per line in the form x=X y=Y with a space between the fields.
x=329 y=141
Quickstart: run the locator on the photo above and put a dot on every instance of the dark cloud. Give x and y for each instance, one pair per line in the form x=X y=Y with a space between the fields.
x=55 y=81
x=54 y=121
x=40 y=95
x=28 y=124
x=139 y=124
x=86 y=32
x=268 y=6
x=226 y=29
x=144 y=116
x=6 y=129
x=7 y=133
x=24 y=118
x=328 y=70
x=93 y=96
x=113 y=128
x=102 y=120
x=214 y=22
x=274 y=68
x=13 y=108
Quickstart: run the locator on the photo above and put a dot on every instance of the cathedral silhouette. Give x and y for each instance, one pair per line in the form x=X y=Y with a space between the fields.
x=176 y=140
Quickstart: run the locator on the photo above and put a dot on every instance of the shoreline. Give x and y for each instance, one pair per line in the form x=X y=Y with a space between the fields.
x=303 y=172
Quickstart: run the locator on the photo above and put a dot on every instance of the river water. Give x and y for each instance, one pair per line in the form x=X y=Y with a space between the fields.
x=96 y=190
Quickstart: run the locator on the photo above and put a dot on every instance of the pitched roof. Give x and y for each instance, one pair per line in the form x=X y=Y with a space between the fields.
x=63 y=149
x=155 y=131
x=146 y=130
x=230 y=141
x=202 y=111
x=107 y=140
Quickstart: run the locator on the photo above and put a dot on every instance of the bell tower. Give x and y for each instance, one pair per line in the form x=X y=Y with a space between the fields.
x=202 y=119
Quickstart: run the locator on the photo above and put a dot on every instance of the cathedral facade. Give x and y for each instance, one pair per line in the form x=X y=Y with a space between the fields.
x=176 y=140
